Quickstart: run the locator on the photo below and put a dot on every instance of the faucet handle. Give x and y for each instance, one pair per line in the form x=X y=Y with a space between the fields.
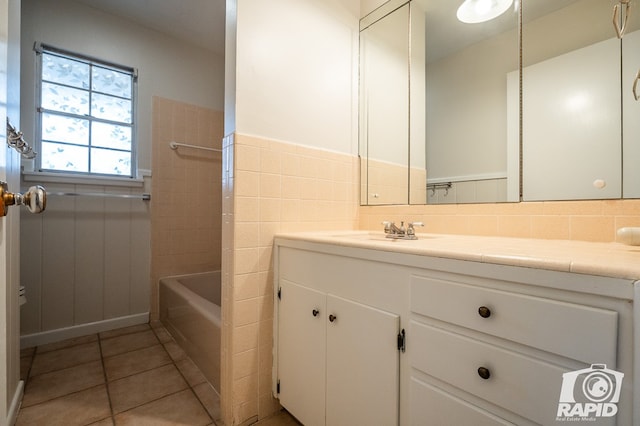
x=410 y=225
x=387 y=226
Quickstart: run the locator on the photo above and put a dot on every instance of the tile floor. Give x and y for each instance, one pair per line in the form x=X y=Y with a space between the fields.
x=130 y=376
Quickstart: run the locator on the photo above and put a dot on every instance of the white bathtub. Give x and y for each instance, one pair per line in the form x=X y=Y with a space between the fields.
x=190 y=311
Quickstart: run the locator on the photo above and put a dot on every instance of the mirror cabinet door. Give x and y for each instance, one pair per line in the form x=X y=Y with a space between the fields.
x=417 y=105
x=571 y=124
x=631 y=105
x=471 y=105
x=384 y=109
x=440 y=118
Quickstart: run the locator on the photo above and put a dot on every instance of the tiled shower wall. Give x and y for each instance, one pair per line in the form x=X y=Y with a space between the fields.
x=269 y=187
x=186 y=206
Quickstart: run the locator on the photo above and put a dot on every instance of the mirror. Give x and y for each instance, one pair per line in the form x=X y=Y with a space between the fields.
x=574 y=143
x=384 y=106
x=471 y=146
x=464 y=118
x=458 y=114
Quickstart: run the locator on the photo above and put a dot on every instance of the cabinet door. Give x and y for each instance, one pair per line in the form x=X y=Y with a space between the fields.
x=301 y=352
x=362 y=364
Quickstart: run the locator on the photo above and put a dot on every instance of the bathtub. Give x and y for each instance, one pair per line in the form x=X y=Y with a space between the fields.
x=190 y=311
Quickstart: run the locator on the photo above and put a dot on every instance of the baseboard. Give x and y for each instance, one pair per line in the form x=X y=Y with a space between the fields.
x=36 y=339
x=12 y=413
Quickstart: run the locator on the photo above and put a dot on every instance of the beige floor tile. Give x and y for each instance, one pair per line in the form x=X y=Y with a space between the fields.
x=156 y=324
x=162 y=334
x=181 y=408
x=190 y=372
x=67 y=343
x=209 y=399
x=129 y=363
x=142 y=388
x=122 y=331
x=175 y=351
x=282 y=418
x=64 y=358
x=105 y=422
x=45 y=387
x=79 y=408
x=128 y=342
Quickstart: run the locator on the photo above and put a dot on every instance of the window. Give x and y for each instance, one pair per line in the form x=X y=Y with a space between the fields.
x=86 y=115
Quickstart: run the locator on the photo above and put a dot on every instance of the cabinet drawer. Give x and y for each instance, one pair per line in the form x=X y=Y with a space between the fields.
x=526 y=386
x=575 y=331
x=434 y=407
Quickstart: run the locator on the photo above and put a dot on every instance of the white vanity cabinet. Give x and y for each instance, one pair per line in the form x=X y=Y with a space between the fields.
x=338 y=354
x=505 y=349
x=337 y=359
x=485 y=343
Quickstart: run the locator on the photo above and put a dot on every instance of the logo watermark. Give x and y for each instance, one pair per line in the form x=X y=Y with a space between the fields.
x=589 y=393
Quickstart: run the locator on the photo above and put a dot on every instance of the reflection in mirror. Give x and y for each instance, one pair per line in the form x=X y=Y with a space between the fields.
x=384 y=109
x=472 y=139
x=571 y=102
x=459 y=115
x=574 y=143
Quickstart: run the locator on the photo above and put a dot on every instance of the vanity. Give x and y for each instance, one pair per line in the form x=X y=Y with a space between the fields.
x=451 y=329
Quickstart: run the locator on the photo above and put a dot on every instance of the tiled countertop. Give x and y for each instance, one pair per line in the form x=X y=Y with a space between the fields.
x=604 y=259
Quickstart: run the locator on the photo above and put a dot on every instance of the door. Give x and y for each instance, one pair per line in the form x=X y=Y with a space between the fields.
x=301 y=352
x=10 y=385
x=363 y=364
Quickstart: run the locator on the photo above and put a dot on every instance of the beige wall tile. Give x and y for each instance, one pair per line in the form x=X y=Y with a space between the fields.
x=270 y=185
x=247 y=158
x=247 y=286
x=246 y=364
x=550 y=227
x=185 y=238
x=573 y=208
x=246 y=312
x=592 y=228
x=245 y=338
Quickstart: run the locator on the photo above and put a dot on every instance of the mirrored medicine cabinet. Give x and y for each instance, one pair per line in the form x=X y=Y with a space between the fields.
x=538 y=103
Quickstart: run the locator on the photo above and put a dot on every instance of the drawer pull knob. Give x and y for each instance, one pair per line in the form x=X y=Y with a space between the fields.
x=484 y=312
x=315 y=312
x=332 y=318
x=484 y=373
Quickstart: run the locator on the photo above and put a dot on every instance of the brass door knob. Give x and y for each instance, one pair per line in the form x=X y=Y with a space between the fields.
x=35 y=199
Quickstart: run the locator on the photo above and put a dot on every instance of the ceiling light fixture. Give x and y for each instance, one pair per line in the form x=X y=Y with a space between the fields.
x=475 y=11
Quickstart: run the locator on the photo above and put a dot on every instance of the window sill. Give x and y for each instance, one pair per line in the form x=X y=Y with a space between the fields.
x=32 y=176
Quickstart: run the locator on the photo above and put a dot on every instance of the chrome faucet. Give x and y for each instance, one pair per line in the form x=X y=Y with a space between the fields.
x=395 y=232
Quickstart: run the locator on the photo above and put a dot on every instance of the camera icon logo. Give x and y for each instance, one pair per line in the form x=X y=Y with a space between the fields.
x=590 y=392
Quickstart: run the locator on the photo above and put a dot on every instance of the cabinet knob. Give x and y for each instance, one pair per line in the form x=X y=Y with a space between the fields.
x=315 y=312
x=332 y=318
x=484 y=373
x=484 y=312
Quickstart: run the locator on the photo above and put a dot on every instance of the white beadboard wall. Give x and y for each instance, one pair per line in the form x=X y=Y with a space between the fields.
x=84 y=260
